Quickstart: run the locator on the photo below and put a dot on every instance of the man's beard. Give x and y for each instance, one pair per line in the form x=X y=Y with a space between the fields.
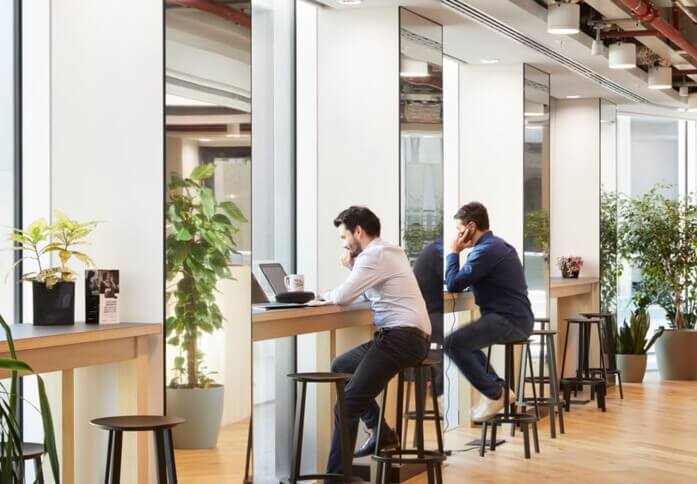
x=354 y=251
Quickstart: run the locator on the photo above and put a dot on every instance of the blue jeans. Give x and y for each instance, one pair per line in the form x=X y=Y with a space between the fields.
x=464 y=347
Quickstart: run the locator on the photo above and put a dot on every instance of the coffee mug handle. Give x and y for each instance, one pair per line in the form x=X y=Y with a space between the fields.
x=286 y=281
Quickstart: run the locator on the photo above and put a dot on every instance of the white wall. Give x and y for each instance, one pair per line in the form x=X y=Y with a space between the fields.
x=491 y=146
x=107 y=156
x=358 y=125
x=575 y=183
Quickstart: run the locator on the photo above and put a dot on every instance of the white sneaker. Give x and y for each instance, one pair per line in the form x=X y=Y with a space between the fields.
x=492 y=407
x=478 y=406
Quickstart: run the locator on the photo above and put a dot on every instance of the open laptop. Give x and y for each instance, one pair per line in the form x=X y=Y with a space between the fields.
x=275 y=275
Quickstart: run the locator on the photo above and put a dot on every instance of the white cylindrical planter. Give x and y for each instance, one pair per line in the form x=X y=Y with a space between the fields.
x=202 y=408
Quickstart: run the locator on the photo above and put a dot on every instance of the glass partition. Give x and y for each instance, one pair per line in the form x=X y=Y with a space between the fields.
x=208 y=110
x=536 y=188
x=608 y=207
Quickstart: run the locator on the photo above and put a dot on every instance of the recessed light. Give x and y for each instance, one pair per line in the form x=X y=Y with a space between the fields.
x=573 y=96
x=350 y=2
x=205 y=140
x=234 y=135
x=492 y=60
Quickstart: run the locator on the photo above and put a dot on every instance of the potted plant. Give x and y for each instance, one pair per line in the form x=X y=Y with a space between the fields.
x=200 y=244
x=631 y=345
x=657 y=235
x=53 y=287
x=570 y=266
x=10 y=434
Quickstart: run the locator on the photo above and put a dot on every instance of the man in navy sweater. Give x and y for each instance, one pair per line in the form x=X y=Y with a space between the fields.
x=495 y=275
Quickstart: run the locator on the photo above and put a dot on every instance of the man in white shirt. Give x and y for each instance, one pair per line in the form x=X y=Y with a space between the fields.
x=380 y=271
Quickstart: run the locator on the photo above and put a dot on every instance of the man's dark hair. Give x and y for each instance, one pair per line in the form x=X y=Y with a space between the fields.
x=474 y=212
x=354 y=216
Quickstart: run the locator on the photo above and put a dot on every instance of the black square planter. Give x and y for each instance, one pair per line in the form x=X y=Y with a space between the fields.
x=54 y=306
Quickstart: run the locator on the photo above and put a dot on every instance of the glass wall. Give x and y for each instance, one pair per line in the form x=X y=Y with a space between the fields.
x=536 y=188
x=651 y=151
x=208 y=110
x=608 y=207
x=7 y=151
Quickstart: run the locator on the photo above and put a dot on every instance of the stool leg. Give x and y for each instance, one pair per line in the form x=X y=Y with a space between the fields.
x=603 y=345
x=159 y=438
x=407 y=405
x=520 y=391
x=378 y=432
x=488 y=358
x=526 y=439
x=541 y=367
x=298 y=433
x=109 y=456
x=116 y=458
x=567 y=396
x=552 y=352
x=388 y=473
x=619 y=381
x=436 y=411
x=346 y=451
x=399 y=405
x=528 y=353
x=535 y=438
x=419 y=396
x=492 y=443
x=38 y=470
x=439 y=473
x=566 y=344
x=482 y=444
x=552 y=399
x=378 y=473
x=430 y=473
x=169 y=458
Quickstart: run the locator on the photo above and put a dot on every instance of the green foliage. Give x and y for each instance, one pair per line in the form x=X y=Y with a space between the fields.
x=416 y=237
x=631 y=339
x=41 y=238
x=610 y=267
x=200 y=244
x=537 y=230
x=658 y=236
x=10 y=435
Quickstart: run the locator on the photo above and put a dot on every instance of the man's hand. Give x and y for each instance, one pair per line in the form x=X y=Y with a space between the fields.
x=347 y=260
x=460 y=243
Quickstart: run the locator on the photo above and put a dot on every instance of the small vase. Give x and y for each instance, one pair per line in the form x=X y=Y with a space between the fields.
x=55 y=305
x=567 y=274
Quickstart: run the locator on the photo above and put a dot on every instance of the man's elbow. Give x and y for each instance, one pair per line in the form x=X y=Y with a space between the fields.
x=454 y=286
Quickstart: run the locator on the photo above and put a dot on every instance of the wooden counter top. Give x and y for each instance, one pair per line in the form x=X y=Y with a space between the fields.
x=561 y=287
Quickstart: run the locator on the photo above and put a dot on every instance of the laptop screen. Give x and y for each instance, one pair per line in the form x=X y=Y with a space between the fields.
x=276 y=275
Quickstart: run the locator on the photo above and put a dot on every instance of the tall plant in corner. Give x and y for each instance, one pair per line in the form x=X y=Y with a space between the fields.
x=200 y=244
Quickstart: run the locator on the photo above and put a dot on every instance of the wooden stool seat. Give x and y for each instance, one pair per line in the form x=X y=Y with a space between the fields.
x=160 y=425
x=319 y=377
x=137 y=423
x=545 y=332
x=33 y=452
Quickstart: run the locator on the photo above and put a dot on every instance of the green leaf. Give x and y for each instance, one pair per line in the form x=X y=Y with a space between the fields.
x=233 y=211
x=202 y=172
x=184 y=235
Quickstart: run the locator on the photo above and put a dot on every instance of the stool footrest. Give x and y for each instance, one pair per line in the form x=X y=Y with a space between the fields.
x=396 y=456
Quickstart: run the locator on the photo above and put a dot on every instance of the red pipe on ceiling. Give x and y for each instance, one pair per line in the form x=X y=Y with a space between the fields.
x=648 y=14
x=218 y=9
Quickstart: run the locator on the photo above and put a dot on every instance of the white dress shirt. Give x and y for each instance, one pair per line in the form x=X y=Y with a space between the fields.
x=382 y=273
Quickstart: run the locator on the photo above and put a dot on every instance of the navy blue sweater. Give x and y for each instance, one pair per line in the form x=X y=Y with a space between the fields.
x=495 y=274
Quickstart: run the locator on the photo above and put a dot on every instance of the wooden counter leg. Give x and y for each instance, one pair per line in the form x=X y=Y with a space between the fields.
x=143 y=376
x=68 y=426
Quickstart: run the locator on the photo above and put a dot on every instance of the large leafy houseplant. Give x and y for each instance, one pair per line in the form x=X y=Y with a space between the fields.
x=10 y=434
x=200 y=244
x=658 y=235
x=610 y=268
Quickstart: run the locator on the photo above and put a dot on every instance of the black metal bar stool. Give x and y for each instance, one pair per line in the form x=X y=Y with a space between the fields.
x=583 y=376
x=30 y=452
x=430 y=364
x=161 y=426
x=606 y=321
x=553 y=402
x=431 y=458
x=339 y=380
x=510 y=414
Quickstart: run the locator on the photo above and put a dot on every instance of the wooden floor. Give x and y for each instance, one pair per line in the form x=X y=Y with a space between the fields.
x=649 y=437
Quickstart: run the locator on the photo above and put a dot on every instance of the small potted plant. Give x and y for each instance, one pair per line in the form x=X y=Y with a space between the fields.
x=200 y=244
x=570 y=266
x=53 y=287
x=631 y=345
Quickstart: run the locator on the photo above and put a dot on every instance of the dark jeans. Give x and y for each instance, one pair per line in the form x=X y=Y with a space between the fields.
x=464 y=348
x=373 y=365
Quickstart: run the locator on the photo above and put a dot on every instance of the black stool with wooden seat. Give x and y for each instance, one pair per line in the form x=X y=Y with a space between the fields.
x=553 y=402
x=419 y=455
x=511 y=414
x=31 y=452
x=431 y=364
x=161 y=426
x=339 y=381
x=583 y=376
x=606 y=321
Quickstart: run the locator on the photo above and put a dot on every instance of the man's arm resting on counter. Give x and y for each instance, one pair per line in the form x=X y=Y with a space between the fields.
x=363 y=275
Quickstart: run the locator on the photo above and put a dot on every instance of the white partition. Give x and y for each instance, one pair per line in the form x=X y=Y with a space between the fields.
x=575 y=183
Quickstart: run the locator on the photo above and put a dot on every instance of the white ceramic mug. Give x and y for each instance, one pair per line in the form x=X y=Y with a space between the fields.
x=295 y=282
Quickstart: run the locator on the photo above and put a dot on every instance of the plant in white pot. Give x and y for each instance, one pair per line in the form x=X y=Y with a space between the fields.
x=658 y=236
x=53 y=287
x=199 y=248
x=631 y=345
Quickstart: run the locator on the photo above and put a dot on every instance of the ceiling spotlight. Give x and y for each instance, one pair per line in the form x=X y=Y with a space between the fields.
x=573 y=96
x=205 y=140
x=660 y=77
x=598 y=47
x=563 y=18
x=350 y=2
x=684 y=91
x=491 y=60
x=622 y=55
x=413 y=68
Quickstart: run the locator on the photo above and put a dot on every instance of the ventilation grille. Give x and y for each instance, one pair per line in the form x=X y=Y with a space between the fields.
x=493 y=24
